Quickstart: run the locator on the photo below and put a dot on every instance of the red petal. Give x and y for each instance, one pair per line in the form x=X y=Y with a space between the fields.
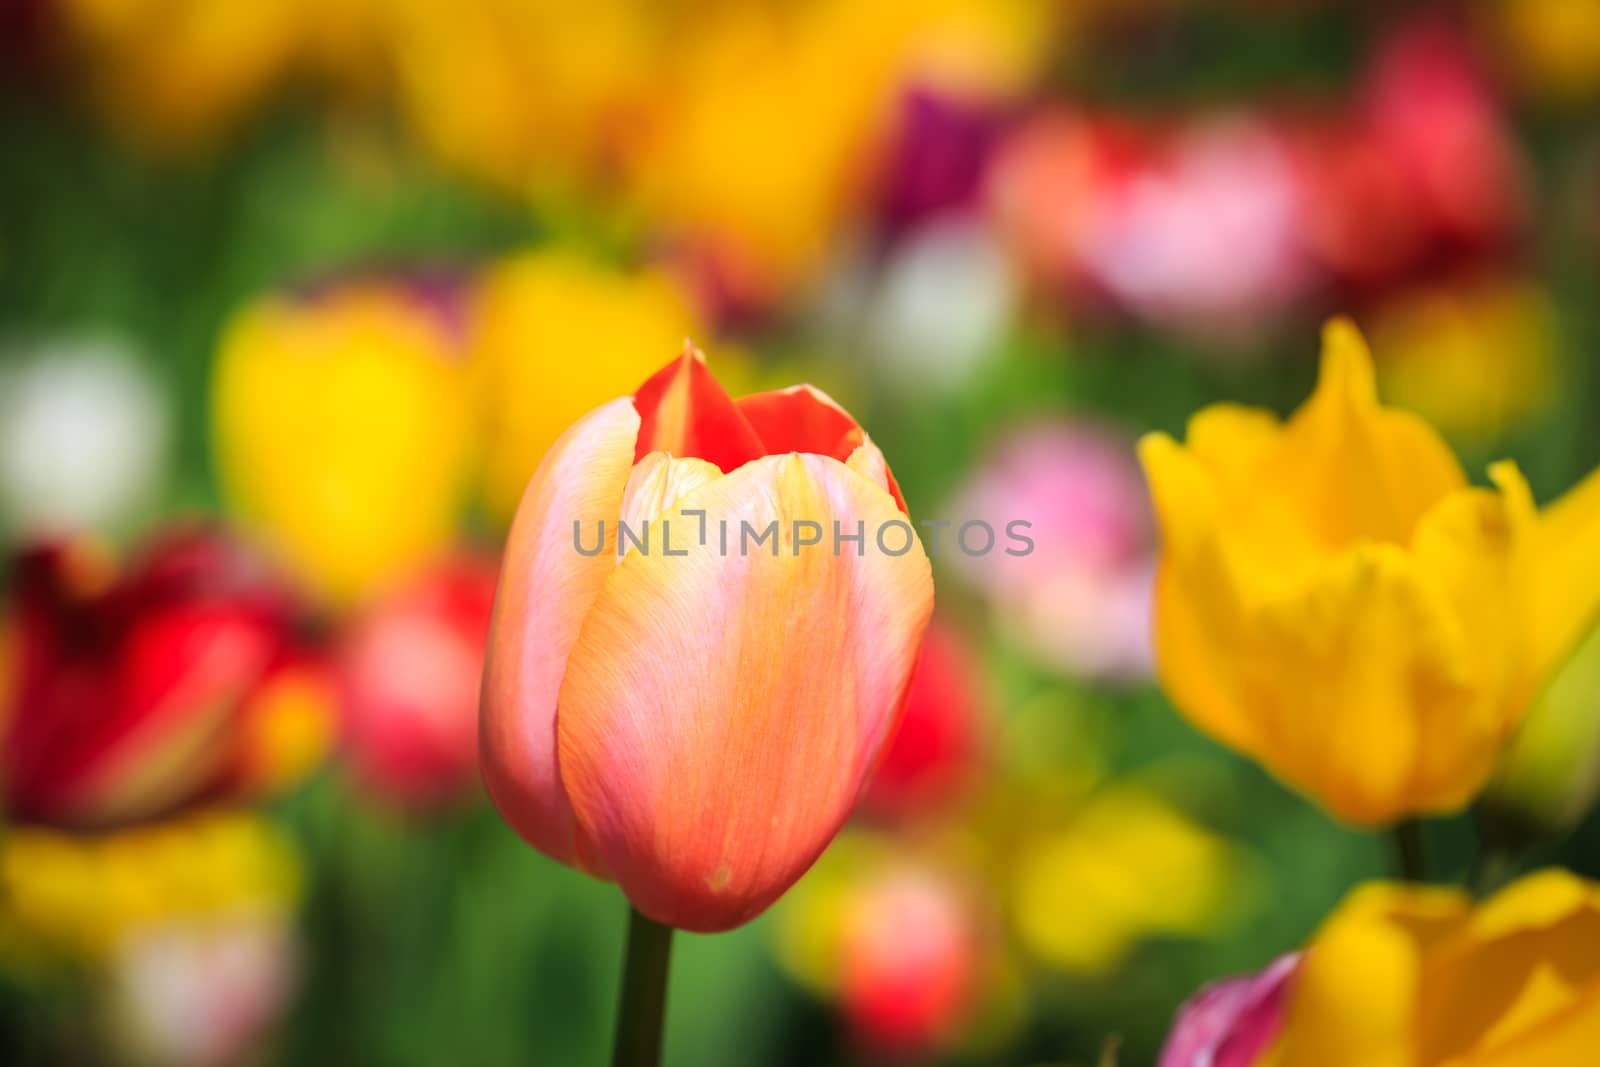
x=684 y=411
x=802 y=418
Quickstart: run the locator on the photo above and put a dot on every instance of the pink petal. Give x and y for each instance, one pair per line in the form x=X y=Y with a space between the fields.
x=546 y=589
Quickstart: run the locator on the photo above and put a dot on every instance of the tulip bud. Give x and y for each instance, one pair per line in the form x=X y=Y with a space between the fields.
x=1549 y=778
x=692 y=710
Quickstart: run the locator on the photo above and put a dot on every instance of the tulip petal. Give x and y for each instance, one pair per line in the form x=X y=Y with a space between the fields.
x=1566 y=579
x=1468 y=549
x=1232 y=1022
x=1353 y=468
x=802 y=418
x=1355 y=999
x=684 y=411
x=721 y=710
x=546 y=588
x=658 y=481
x=1516 y=974
x=1199 y=619
x=1387 y=656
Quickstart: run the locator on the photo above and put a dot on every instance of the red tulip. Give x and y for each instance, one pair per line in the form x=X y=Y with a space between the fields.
x=410 y=670
x=936 y=749
x=696 y=719
x=129 y=691
x=910 y=963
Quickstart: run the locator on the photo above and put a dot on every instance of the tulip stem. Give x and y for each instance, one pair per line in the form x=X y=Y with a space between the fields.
x=1410 y=851
x=642 y=999
x=1491 y=869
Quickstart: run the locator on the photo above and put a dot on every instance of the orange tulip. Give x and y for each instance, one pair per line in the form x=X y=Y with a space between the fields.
x=694 y=716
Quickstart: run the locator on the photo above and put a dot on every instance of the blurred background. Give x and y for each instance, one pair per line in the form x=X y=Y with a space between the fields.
x=295 y=293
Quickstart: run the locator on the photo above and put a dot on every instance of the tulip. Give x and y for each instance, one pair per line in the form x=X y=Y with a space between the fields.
x=769 y=221
x=1472 y=356
x=204 y=993
x=1553 y=46
x=893 y=932
x=1135 y=213
x=934 y=753
x=1409 y=977
x=1335 y=601
x=179 y=74
x=136 y=695
x=1231 y=1023
x=410 y=668
x=532 y=311
x=1124 y=868
x=83 y=436
x=90 y=898
x=909 y=962
x=1080 y=599
x=343 y=420
x=939 y=306
x=697 y=726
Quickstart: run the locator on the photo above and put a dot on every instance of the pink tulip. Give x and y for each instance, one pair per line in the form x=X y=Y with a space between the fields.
x=696 y=719
x=1232 y=1022
x=1081 y=599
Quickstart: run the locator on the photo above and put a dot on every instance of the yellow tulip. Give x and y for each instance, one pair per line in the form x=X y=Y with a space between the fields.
x=81 y=897
x=1411 y=977
x=1127 y=868
x=343 y=430
x=1336 y=601
x=767 y=80
x=1553 y=45
x=1470 y=358
x=180 y=73
x=557 y=335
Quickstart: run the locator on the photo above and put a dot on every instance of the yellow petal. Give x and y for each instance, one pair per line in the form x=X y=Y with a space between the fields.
x=1468 y=550
x=1516 y=970
x=1342 y=677
x=721 y=710
x=1566 y=576
x=1356 y=469
x=1355 y=999
x=1199 y=618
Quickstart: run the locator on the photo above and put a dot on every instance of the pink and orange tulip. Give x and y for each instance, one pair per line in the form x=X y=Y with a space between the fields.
x=691 y=720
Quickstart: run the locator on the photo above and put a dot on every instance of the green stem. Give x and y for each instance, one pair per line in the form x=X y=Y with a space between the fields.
x=1491 y=869
x=642 y=1000
x=1410 y=854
